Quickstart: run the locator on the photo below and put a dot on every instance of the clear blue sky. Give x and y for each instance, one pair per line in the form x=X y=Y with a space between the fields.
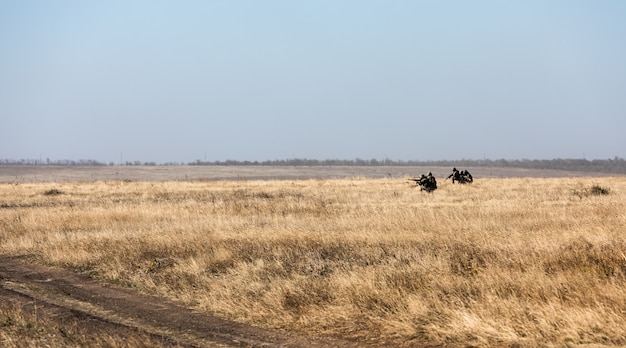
x=261 y=80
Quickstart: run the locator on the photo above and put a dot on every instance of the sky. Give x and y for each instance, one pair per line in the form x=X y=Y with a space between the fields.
x=180 y=81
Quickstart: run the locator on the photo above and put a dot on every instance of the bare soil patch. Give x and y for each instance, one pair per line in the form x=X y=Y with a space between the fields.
x=71 y=299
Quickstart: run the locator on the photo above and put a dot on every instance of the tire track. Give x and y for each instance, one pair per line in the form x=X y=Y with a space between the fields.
x=109 y=305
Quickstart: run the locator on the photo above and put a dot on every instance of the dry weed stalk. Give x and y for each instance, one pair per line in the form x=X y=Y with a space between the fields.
x=501 y=262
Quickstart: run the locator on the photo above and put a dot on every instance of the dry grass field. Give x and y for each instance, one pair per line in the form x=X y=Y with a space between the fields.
x=519 y=262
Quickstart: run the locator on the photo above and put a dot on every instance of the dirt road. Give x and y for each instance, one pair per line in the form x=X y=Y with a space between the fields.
x=64 y=297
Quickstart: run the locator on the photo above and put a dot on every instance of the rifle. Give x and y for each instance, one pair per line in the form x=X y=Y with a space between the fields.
x=413 y=179
x=418 y=182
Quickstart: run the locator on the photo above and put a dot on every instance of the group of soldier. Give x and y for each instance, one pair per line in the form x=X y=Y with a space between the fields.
x=428 y=182
x=462 y=177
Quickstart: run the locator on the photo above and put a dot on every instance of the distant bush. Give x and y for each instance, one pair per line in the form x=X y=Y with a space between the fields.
x=53 y=192
x=595 y=190
x=599 y=190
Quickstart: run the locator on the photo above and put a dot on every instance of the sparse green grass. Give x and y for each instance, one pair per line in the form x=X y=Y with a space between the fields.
x=505 y=262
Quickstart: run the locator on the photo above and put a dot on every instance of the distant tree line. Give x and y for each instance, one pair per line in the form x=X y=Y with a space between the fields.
x=47 y=161
x=615 y=165
x=82 y=162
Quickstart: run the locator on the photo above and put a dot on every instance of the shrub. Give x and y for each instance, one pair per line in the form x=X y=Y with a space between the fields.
x=595 y=190
x=53 y=192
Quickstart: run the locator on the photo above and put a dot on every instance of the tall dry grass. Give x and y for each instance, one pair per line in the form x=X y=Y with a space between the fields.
x=521 y=262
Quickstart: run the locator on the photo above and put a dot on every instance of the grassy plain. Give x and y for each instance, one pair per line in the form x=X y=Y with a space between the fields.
x=502 y=262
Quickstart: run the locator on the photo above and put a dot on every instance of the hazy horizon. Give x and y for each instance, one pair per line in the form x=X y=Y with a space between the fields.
x=309 y=161
x=159 y=81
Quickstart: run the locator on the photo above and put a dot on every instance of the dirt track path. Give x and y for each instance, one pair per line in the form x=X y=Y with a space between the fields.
x=105 y=307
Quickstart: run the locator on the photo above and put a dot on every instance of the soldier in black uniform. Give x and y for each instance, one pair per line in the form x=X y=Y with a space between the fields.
x=426 y=183
x=431 y=182
x=455 y=175
x=467 y=176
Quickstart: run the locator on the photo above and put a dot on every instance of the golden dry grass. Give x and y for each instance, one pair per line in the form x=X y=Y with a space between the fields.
x=506 y=262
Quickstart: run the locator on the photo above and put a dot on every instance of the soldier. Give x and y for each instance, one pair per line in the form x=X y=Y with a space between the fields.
x=420 y=180
x=432 y=182
x=468 y=176
x=454 y=175
x=426 y=183
x=462 y=177
x=423 y=182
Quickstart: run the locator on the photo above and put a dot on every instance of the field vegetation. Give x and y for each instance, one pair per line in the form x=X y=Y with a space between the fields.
x=20 y=327
x=502 y=262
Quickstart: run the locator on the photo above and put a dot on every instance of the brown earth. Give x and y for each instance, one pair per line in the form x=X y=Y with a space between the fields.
x=67 y=298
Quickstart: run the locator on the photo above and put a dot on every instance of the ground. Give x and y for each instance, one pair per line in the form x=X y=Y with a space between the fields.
x=69 y=298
